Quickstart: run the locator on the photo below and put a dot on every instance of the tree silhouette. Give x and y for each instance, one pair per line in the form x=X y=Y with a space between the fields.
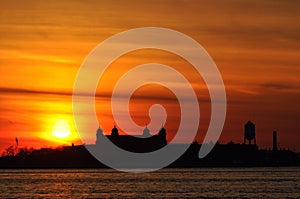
x=10 y=151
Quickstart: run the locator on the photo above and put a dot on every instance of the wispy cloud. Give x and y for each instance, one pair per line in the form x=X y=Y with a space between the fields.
x=281 y=87
x=4 y=90
x=148 y=97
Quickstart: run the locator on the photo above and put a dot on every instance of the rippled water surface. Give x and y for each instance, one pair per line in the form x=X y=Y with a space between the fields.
x=180 y=183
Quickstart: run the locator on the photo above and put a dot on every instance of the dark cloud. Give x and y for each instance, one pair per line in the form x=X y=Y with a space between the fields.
x=280 y=86
x=4 y=90
x=20 y=91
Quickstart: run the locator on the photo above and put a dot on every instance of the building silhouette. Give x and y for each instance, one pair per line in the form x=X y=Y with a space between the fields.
x=222 y=155
x=142 y=143
x=249 y=133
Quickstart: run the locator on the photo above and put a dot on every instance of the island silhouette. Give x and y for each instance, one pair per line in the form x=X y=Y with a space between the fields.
x=231 y=154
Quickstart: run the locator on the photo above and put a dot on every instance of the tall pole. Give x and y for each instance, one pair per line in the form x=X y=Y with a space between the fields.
x=275 y=141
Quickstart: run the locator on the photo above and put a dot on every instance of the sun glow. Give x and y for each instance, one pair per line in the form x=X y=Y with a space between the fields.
x=61 y=129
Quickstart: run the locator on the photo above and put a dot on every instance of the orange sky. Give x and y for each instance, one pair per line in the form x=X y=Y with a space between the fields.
x=255 y=45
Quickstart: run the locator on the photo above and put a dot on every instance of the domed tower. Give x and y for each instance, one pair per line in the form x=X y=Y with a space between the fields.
x=249 y=133
x=163 y=134
x=99 y=134
x=114 y=131
x=146 y=132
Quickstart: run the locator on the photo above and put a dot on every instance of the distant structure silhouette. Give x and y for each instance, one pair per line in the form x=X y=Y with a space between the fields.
x=137 y=143
x=249 y=133
x=163 y=134
x=146 y=132
x=99 y=134
x=222 y=155
x=275 y=141
x=17 y=141
x=114 y=131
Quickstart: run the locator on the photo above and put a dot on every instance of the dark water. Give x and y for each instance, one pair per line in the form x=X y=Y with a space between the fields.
x=171 y=183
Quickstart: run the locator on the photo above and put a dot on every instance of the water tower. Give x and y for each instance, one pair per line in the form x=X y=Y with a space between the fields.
x=249 y=133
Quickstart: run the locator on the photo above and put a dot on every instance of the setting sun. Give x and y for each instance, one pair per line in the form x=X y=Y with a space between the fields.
x=61 y=129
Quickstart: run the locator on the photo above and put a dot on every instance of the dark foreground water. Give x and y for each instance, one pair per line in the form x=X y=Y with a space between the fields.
x=173 y=183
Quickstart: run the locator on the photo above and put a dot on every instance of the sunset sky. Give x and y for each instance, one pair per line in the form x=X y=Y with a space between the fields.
x=255 y=44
